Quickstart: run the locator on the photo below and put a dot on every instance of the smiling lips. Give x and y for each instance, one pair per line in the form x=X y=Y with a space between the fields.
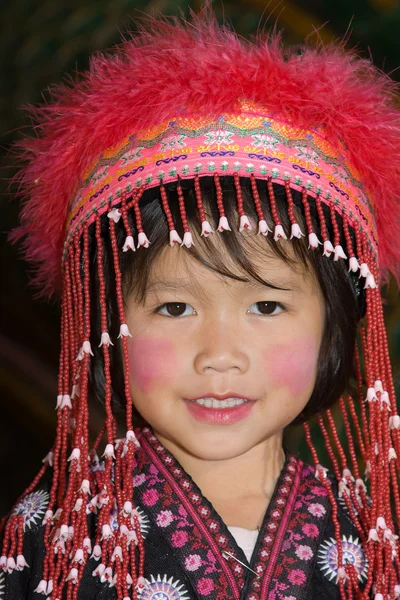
x=220 y=408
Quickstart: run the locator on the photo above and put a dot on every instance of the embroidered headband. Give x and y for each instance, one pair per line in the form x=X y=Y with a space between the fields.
x=185 y=102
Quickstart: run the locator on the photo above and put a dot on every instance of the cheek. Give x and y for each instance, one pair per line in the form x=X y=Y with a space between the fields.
x=152 y=361
x=293 y=365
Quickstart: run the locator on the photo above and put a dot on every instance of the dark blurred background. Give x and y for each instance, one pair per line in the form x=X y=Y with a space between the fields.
x=40 y=42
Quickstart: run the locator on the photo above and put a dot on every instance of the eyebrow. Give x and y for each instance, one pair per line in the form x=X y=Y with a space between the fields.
x=182 y=284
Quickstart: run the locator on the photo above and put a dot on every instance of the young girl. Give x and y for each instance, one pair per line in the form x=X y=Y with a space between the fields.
x=209 y=210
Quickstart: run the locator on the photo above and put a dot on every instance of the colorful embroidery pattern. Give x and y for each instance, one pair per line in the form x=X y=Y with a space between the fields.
x=187 y=522
x=352 y=554
x=287 y=545
x=163 y=589
x=284 y=559
x=32 y=508
x=243 y=143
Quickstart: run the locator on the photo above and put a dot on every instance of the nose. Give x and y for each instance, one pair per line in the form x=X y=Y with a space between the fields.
x=221 y=351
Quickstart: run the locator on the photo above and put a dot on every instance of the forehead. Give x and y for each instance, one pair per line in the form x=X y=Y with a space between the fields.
x=212 y=259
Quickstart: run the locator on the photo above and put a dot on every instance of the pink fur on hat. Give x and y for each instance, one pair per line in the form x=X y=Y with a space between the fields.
x=170 y=65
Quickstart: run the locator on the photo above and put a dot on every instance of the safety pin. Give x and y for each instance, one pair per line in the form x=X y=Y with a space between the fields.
x=239 y=561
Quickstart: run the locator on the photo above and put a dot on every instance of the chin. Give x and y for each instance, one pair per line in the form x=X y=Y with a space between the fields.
x=215 y=445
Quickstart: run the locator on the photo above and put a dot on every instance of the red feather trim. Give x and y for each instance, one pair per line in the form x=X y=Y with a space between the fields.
x=169 y=65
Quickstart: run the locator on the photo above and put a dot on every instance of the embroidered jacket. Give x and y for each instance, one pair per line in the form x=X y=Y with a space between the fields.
x=191 y=554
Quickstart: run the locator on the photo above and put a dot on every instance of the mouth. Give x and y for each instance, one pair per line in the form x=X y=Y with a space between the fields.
x=220 y=408
x=228 y=402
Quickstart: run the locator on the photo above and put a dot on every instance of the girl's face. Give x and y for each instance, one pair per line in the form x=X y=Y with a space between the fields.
x=219 y=366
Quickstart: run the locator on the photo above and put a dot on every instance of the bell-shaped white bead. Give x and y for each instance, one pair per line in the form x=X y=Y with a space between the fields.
x=364 y=270
x=313 y=241
x=245 y=223
x=99 y=570
x=174 y=238
x=263 y=228
x=96 y=554
x=72 y=575
x=353 y=264
x=279 y=233
x=328 y=248
x=105 y=339
x=85 y=486
x=187 y=239
x=42 y=587
x=21 y=562
x=370 y=282
x=114 y=214
x=339 y=253
x=109 y=451
x=143 y=240
x=296 y=232
x=206 y=228
x=223 y=225
x=124 y=331
x=394 y=422
x=129 y=244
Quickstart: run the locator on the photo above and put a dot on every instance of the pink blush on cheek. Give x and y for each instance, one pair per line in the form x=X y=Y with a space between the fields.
x=292 y=365
x=152 y=361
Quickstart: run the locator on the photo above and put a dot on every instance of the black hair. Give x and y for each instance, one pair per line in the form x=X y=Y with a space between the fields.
x=343 y=297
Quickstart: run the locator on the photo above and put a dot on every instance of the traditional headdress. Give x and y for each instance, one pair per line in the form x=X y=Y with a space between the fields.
x=182 y=102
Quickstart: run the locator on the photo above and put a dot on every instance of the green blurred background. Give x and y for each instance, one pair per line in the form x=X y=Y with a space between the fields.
x=40 y=42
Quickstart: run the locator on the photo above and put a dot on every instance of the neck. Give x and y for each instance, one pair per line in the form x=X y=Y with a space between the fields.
x=252 y=474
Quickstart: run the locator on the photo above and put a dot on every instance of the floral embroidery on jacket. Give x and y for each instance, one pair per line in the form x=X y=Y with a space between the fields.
x=287 y=545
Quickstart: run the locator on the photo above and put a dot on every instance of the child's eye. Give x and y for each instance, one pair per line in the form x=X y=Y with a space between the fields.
x=266 y=308
x=176 y=309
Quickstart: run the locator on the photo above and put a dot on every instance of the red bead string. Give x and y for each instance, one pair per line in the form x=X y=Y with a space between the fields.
x=135 y=204
x=256 y=198
x=364 y=441
x=349 y=435
x=124 y=212
x=335 y=226
x=322 y=220
x=218 y=191
x=182 y=209
x=167 y=210
x=290 y=203
x=104 y=329
x=272 y=201
x=199 y=199
x=121 y=309
x=65 y=389
x=336 y=525
x=128 y=481
x=349 y=242
x=307 y=211
x=239 y=195
x=352 y=500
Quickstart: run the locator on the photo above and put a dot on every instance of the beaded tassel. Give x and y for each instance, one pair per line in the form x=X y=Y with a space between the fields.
x=295 y=227
x=339 y=252
x=244 y=220
x=223 y=224
x=263 y=228
x=187 y=237
x=142 y=237
x=206 y=228
x=353 y=262
x=327 y=244
x=129 y=244
x=313 y=241
x=278 y=232
x=125 y=494
x=173 y=234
